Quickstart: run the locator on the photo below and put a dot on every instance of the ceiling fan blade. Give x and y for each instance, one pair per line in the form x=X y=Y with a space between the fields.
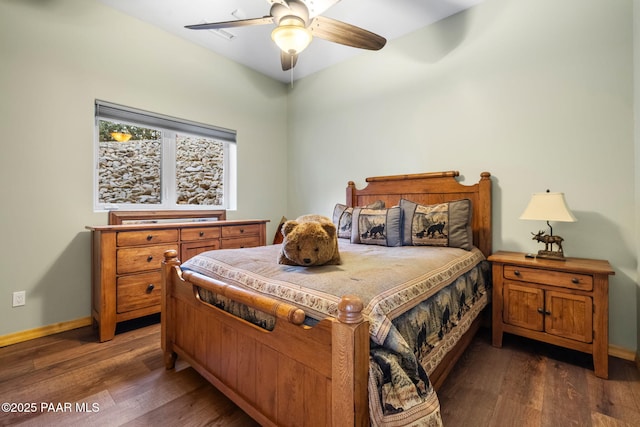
x=346 y=34
x=288 y=60
x=231 y=24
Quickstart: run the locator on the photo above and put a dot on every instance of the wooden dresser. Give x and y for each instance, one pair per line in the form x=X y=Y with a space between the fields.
x=565 y=303
x=126 y=261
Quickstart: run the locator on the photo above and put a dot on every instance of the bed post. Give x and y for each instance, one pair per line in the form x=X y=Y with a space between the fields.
x=351 y=194
x=169 y=263
x=484 y=229
x=350 y=364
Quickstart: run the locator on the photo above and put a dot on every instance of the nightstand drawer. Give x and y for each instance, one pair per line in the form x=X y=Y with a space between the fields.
x=582 y=282
x=147 y=237
x=204 y=233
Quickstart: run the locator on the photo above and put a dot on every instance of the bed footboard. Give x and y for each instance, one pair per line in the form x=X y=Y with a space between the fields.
x=292 y=375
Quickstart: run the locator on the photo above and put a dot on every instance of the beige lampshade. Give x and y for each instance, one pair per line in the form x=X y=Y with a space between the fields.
x=548 y=207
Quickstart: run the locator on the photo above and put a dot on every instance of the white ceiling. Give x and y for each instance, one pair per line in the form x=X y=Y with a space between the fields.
x=252 y=45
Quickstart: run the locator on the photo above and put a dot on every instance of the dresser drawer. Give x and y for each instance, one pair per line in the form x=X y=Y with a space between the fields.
x=191 y=249
x=137 y=259
x=562 y=279
x=138 y=291
x=240 y=242
x=204 y=233
x=148 y=237
x=240 y=230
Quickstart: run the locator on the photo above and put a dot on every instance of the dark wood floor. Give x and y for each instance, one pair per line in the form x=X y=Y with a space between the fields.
x=527 y=383
x=70 y=379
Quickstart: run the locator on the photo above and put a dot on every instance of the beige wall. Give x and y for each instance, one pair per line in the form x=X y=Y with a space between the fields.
x=539 y=93
x=636 y=102
x=56 y=58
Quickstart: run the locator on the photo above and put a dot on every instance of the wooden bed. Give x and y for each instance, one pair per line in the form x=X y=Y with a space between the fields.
x=295 y=374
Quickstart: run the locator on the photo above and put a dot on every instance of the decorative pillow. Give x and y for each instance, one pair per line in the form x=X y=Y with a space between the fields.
x=342 y=217
x=377 y=226
x=443 y=224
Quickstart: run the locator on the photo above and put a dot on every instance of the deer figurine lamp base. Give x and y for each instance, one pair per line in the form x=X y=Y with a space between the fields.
x=548 y=207
x=549 y=240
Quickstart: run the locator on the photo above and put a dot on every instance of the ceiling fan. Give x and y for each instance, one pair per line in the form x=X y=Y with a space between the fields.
x=297 y=22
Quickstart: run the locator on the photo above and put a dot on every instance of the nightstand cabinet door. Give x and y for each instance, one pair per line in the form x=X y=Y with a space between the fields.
x=523 y=305
x=569 y=316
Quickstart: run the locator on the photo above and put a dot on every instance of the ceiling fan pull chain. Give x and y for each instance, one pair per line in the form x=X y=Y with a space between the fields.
x=291 y=71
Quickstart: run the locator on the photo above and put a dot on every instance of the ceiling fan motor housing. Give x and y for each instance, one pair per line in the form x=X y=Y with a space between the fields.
x=296 y=9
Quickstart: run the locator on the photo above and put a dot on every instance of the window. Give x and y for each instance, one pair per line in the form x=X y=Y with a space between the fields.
x=150 y=161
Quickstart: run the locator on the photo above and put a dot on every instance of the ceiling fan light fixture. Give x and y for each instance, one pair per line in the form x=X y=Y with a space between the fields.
x=291 y=35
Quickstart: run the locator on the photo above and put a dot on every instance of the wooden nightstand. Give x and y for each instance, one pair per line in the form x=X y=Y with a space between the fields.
x=565 y=303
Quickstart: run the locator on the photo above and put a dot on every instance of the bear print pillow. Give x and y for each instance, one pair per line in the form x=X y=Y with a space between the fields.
x=442 y=224
x=377 y=226
x=342 y=217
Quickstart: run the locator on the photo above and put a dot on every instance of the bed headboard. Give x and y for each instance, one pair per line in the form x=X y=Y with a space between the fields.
x=431 y=188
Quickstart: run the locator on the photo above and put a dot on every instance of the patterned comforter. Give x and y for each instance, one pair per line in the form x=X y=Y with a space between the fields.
x=419 y=302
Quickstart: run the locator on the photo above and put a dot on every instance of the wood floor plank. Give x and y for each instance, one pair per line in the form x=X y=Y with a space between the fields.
x=195 y=409
x=92 y=349
x=601 y=420
x=468 y=397
x=617 y=398
x=481 y=377
x=521 y=379
x=566 y=398
x=22 y=356
x=529 y=368
x=65 y=378
x=521 y=384
x=76 y=415
x=511 y=412
x=469 y=407
x=167 y=387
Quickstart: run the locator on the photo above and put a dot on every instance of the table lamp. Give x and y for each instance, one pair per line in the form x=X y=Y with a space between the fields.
x=548 y=207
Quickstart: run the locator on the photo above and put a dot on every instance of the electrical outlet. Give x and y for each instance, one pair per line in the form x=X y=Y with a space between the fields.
x=19 y=298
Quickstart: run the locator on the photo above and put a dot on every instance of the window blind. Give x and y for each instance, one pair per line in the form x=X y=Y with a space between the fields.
x=110 y=111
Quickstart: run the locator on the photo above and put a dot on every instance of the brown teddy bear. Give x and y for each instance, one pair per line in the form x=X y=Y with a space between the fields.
x=309 y=240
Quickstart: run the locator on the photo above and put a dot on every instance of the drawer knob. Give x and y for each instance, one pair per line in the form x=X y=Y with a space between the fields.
x=150 y=258
x=516 y=272
x=149 y=237
x=242 y=230
x=150 y=288
x=575 y=280
x=201 y=233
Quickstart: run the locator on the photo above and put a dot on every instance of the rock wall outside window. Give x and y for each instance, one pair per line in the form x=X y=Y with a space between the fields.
x=130 y=172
